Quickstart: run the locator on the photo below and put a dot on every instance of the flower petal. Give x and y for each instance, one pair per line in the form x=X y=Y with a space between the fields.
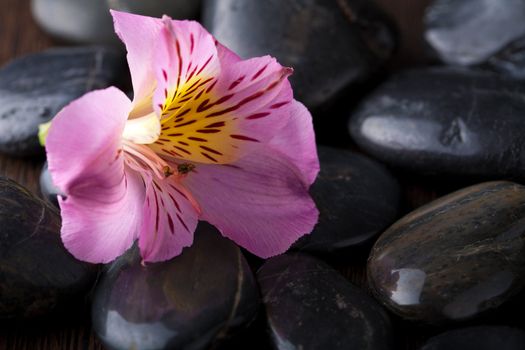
x=297 y=141
x=170 y=219
x=101 y=211
x=140 y=34
x=100 y=218
x=186 y=63
x=219 y=121
x=260 y=202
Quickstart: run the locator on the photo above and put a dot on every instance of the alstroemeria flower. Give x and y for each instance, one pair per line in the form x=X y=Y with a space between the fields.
x=207 y=136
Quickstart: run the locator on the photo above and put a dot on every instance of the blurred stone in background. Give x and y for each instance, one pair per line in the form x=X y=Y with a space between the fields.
x=479 y=32
x=48 y=189
x=89 y=22
x=330 y=44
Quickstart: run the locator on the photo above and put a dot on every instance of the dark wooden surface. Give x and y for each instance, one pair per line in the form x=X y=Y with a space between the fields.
x=20 y=35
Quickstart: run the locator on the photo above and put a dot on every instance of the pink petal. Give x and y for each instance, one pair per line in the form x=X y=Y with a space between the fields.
x=170 y=219
x=186 y=61
x=104 y=199
x=245 y=105
x=140 y=34
x=260 y=202
x=297 y=141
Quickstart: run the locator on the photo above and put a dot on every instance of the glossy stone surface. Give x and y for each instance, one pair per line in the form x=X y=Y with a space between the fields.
x=478 y=338
x=47 y=188
x=330 y=44
x=189 y=302
x=357 y=198
x=37 y=274
x=446 y=121
x=34 y=88
x=473 y=32
x=311 y=306
x=455 y=257
x=90 y=21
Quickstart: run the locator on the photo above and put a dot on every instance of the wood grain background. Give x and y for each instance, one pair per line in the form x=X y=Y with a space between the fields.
x=20 y=35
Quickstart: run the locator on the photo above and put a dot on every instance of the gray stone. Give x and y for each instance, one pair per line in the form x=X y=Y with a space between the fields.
x=90 y=21
x=34 y=88
x=446 y=121
x=479 y=32
x=47 y=188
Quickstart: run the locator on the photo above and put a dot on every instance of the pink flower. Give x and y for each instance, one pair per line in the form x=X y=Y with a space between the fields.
x=207 y=136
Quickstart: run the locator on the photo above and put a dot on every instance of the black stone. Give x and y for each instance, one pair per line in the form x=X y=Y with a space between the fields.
x=455 y=257
x=479 y=338
x=90 y=22
x=479 y=32
x=509 y=61
x=47 y=188
x=34 y=88
x=330 y=44
x=190 y=302
x=357 y=199
x=311 y=306
x=446 y=121
x=37 y=274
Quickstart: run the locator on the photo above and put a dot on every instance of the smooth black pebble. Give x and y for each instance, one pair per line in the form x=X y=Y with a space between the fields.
x=37 y=274
x=309 y=305
x=455 y=257
x=34 y=88
x=478 y=338
x=446 y=121
x=357 y=199
x=192 y=301
x=331 y=45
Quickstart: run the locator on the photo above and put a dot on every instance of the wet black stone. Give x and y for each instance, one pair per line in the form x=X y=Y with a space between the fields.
x=189 y=302
x=34 y=88
x=90 y=22
x=479 y=32
x=330 y=44
x=47 y=188
x=311 y=306
x=478 y=338
x=357 y=198
x=455 y=257
x=446 y=121
x=37 y=274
